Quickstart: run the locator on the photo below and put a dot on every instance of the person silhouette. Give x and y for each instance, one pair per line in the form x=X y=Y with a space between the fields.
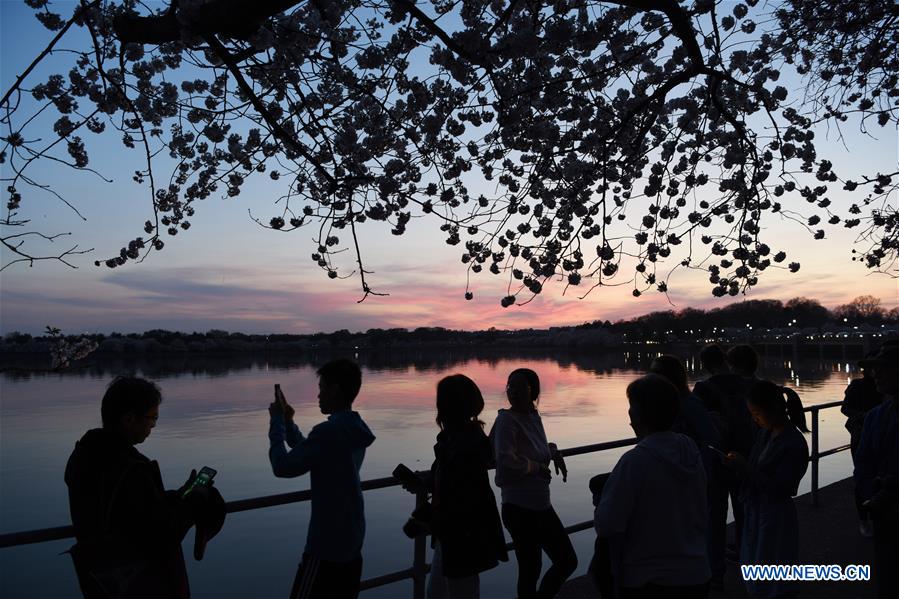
x=693 y=419
x=723 y=394
x=861 y=396
x=770 y=477
x=465 y=523
x=523 y=476
x=877 y=468
x=652 y=510
x=332 y=454
x=128 y=527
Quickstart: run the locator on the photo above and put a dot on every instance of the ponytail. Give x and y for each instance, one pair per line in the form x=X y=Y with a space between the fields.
x=794 y=409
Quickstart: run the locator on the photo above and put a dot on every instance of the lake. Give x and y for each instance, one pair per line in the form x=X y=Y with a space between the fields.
x=214 y=412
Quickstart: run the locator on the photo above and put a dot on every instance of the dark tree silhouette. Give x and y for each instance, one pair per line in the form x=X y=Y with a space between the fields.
x=805 y=312
x=582 y=141
x=864 y=308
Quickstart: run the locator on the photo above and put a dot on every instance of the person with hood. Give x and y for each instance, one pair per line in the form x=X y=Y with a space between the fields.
x=522 y=474
x=877 y=468
x=464 y=520
x=770 y=479
x=332 y=454
x=128 y=528
x=653 y=509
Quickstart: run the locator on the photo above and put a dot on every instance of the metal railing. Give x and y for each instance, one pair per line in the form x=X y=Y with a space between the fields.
x=420 y=567
x=815 y=455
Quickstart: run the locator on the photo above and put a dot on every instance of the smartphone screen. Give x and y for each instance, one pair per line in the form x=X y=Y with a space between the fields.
x=204 y=479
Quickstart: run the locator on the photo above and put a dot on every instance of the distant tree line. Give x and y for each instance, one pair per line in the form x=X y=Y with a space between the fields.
x=218 y=341
x=796 y=314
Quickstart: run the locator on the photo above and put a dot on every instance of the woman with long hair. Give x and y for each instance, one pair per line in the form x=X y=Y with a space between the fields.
x=770 y=479
x=465 y=523
x=523 y=475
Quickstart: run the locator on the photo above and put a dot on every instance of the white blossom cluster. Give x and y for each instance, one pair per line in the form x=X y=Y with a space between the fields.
x=66 y=350
x=581 y=141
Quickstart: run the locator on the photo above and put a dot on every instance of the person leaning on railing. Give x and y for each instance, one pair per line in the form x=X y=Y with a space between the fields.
x=523 y=457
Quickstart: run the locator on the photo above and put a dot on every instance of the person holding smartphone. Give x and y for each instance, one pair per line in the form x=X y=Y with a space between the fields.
x=770 y=477
x=128 y=527
x=332 y=454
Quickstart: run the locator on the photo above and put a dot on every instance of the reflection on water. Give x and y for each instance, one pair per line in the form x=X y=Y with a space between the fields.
x=214 y=413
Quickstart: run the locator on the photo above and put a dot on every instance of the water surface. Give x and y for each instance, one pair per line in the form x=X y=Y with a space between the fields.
x=214 y=413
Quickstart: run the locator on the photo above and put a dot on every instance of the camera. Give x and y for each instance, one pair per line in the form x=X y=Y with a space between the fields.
x=409 y=479
x=415 y=528
x=419 y=523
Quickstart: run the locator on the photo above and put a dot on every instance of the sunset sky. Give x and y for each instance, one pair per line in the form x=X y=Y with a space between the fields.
x=226 y=272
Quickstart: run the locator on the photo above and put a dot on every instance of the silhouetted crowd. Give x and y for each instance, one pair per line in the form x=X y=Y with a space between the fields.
x=660 y=515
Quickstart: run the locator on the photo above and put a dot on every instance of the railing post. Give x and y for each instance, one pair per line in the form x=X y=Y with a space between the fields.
x=815 y=456
x=419 y=555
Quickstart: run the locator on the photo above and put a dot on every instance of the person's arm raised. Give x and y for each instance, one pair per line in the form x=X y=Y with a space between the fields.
x=293 y=436
x=300 y=459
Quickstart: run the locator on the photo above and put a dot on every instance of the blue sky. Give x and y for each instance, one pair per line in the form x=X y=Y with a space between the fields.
x=226 y=272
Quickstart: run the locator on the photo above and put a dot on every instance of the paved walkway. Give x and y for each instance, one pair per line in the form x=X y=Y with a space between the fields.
x=829 y=535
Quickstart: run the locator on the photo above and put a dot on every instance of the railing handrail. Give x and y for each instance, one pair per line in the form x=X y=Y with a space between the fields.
x=254 y=503
x=419 y=567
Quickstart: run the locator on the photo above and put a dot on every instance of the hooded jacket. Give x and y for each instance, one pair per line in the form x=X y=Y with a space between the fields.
x=653 y=511
x=332 y=454
x=127 y=526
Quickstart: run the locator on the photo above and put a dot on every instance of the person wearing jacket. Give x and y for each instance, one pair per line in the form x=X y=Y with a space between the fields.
x=723 y=394
x=464 y=520
x=695 y=421
x=128 y=528
x=653 y=510
x=877 y=468
x=770 y=478
x=332 y=454
x=522 y=474
x=692 y=419
x=861 y=396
